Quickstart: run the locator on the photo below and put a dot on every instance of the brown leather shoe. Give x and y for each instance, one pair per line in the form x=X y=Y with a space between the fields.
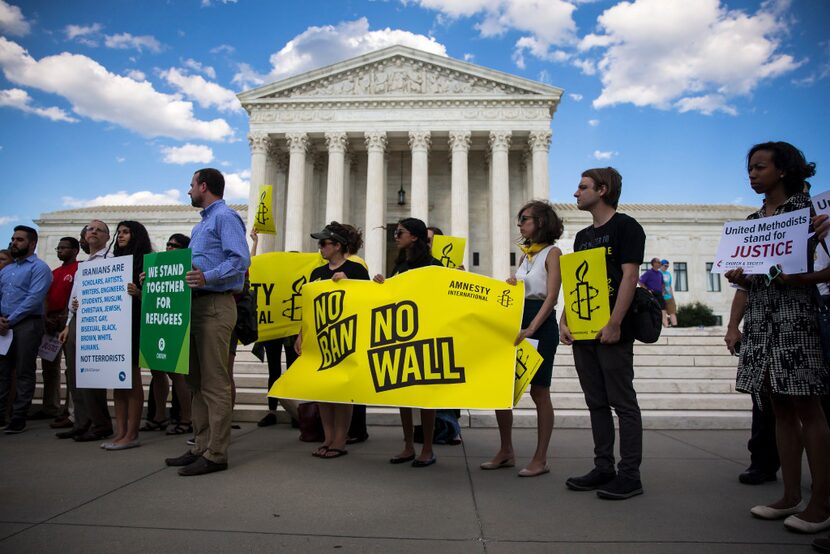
x=202 y=466
x=184 y=460
x=61 y=423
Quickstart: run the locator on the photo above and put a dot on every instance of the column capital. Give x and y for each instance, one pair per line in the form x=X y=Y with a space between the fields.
x=297 y=142
x=420 y=140
x=259 y=142
x=460 y=141
x=375 y=141
x=500 y=140
x=539 y=141
x=337 y=141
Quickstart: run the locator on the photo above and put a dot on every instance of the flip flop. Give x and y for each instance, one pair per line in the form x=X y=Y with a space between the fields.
x=318 y=453
x=401 y=460
x=337 y=453
x=425 y=463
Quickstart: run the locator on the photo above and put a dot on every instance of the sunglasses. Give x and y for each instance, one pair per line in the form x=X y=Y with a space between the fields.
x=399 y=232
x=524 y=218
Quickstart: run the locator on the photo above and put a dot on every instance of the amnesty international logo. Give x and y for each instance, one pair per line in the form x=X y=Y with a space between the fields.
x=262 y=211
x=446 y=260
x=584 y=303
x=294 y=310
x=505 y=299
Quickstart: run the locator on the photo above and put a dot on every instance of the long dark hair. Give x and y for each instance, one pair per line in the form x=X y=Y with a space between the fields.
x=138 y=246
x=418 y=254
x=791 y=161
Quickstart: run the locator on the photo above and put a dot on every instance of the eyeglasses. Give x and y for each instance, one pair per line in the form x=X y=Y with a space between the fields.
x=524 y=218
x=399 y=232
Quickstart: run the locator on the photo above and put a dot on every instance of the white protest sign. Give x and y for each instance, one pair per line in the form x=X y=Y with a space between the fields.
x=821 y=202
x=104 y=344
x=755 y=245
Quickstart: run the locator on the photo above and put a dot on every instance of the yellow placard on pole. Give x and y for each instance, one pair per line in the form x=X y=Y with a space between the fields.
x=264 y=215
x=415 y=340
x=585 y=287
x=448 y=250
x=528 y=361
x=278 y=278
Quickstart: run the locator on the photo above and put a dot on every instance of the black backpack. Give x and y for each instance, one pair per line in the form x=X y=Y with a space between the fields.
x=246 y=315
x=646 y=316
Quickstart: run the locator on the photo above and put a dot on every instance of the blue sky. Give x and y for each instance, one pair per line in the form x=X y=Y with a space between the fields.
x=118 y=102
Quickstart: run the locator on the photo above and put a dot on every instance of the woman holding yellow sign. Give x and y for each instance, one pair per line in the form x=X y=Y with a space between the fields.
x=413 y=252
x=539 y=270
x=333 y=241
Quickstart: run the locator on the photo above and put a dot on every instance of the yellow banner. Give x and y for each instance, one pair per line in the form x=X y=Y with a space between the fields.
x=278 y=278
x=427 y=338
x=264 y=215
x=528 y=361
x=448 y=250
x=585 y=285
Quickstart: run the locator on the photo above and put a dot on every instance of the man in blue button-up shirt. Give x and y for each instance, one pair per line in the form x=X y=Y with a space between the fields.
x=220 y=260
x=23 y=287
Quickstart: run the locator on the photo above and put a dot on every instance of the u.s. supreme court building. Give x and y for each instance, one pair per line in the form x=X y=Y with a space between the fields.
x=400 y=132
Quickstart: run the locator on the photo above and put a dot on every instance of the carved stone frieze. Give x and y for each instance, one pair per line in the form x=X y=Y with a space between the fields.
x=400 y=76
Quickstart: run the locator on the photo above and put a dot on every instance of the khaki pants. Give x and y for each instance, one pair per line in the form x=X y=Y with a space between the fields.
x=212 y=318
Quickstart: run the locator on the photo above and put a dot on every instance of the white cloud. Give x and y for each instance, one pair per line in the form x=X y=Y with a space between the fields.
x=189 y=153
x=190 y=63
x=319 y=46
x=6 y=219
x=205 y=93
x=223 y=49
x=593 y=122
x=120 y=159
x=207 y=3
x=123 y=198
x=544 y=76
x=136 y=75
x=237 y=184
x=12 y=20
x=686 y=55
x=20 y=99
x=469 y=57
x=575 y=97
x=126 y=41
x=548 y=23
x=75 y=31
x=100 y=95
x=600 y=155
x=587 y=67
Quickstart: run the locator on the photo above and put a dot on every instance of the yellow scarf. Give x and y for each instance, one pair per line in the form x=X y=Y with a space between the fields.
x=533 y=249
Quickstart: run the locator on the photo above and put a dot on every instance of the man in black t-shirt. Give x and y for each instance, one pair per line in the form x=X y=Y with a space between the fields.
x=605 y=364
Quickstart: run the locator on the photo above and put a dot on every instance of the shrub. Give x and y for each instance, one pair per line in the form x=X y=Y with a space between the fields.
x=695 y=314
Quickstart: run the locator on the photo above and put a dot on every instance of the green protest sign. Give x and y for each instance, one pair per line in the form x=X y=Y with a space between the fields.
x=165 y=312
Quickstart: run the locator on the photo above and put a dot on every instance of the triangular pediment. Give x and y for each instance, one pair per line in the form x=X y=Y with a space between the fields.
x=400 y=71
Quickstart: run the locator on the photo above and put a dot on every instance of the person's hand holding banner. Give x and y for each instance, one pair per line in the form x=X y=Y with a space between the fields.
x=415 y=340
x=755 y=245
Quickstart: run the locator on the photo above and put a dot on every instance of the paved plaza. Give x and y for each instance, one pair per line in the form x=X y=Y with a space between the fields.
x=59 y=495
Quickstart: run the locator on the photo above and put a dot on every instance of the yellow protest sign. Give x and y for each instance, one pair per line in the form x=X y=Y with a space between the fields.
x=264 y=215
x=585 y=285
x=448 y=250
x=528 y=361
x=278 y=278
x=427 y=338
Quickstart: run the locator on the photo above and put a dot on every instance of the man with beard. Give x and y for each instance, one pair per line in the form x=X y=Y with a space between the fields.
x=92 y=418
x=23 y=287
x=220 y=260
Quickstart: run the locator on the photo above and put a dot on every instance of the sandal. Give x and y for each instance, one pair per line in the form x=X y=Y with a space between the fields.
x=332 y=453
x=151 y=425
x=180 y=429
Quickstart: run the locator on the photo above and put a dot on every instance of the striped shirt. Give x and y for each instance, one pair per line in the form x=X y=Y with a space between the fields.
x=219 y=248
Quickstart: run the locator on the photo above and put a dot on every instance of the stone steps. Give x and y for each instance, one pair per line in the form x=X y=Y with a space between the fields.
x=684 y=381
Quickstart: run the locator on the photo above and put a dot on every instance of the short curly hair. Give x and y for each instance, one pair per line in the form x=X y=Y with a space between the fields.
x=792 y=163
